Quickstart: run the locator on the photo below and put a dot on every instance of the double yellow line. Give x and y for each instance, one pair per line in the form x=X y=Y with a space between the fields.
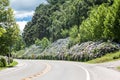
x=47 y=69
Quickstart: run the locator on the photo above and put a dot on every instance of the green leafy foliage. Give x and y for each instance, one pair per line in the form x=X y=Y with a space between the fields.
x=101 y=24
x=55 y=19
x=19 y=44
x=81 y=20
x=9 y=30
x=92 y=28
x=38 y=42
x=2 y=30
x=3 y=62
x=65 y=33
x=74 y=36
x=42 y=43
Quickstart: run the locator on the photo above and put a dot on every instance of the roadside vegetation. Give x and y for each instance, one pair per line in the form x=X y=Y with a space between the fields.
x=84 y=58
x=81 y=20
x=86 y=23
x=14 y=63
x=9 y=34
x=4 y=63
x=106 y=58
x=118 y=68
x=74 y=30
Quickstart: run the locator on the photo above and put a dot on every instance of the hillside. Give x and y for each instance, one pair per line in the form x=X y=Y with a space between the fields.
x=67 y=18
x=75 y=30
x=59 y=49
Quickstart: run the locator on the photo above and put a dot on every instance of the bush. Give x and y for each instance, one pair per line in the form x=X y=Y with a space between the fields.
x=43 y=43
x=65 y=33
x=3 y=62
x=38 y=42
x=11 y=60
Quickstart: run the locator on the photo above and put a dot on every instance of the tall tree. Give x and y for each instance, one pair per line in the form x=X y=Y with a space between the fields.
x=102 y=24
x=9 y=26
x=3 y=15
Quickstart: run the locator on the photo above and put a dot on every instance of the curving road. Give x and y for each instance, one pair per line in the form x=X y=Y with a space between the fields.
x=57 y=70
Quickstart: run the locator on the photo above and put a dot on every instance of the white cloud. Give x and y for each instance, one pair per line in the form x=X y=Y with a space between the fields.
x=22 y=25
x=25 y=5
x=24 y=9
x=22 y=14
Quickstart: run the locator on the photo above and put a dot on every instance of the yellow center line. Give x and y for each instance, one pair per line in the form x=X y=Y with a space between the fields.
x=47 y=69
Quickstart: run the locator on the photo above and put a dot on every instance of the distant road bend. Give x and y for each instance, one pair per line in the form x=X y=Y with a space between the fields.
x=57 y=70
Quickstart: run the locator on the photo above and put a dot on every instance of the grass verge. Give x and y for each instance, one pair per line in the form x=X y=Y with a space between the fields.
x=118 y=68
x=14 y=63
x=106 y=58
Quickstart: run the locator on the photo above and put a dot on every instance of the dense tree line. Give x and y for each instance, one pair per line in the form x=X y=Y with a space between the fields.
x=82 y=20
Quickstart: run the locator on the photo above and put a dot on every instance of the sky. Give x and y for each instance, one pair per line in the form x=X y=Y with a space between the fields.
x=24 y=10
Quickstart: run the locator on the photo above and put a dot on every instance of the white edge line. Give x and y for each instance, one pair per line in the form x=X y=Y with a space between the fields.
x=87 y=73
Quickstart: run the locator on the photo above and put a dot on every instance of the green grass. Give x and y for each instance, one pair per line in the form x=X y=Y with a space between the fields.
x=1 y=68
x=106 y=58
x=14 y=63
x=118 y=68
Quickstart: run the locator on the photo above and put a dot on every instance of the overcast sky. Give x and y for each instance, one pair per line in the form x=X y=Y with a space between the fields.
x=24 y=10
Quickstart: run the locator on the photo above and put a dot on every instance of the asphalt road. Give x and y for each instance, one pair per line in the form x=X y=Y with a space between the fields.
x=57 y=70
